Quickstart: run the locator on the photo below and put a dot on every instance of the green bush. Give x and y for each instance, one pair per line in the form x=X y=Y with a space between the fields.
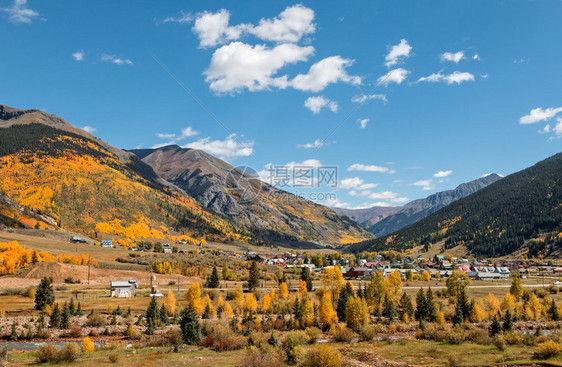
x=113 y=357
x=321 y=356
x=292 y=345
x=343 y=334
x=95 y=320
x=313 y=334
x=368 y=333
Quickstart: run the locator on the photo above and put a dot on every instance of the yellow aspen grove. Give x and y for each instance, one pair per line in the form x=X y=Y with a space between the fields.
x=251 y=302
x=393 y=285
x=238 y=298
x=266 y=303
x=332 y=279
x=477 y=314
x=534 y=307
x=170 y=303
x=283 y=291
x=272 y=295
x=220 y=302
x=327 y=317
x=194 y=297
x=303 y=291
x=492 y=304
x=356 y=313
x=227 y=311
x=508 y=302
x=307 y=312
x=426 y=276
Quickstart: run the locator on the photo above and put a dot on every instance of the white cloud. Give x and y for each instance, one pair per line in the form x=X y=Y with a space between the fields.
x=113 y=59
x=213 y=29
x=290 y=26
x=388 y=195
x=78 y=55
x=186 y=132
x=183 y=18
x=359 y=193
x=315 y=104
x=398 y=53
x=238 y=66
x=476 y=57
x=453 y=57
x=425 y=184
x=539 y=114
x=355 y=183
x=284 y=174
x=316 y=144
x=455 y=77
x=89 y=129
x=324 y=72
x=442 y=174
x=19 y=12
x=229 y=148
x=393 y=76
x=336 y=203
x=484 y=76
x=362 y=98
x=363 y=123
x=366 y=168
x=557 y=129
x=545 y=130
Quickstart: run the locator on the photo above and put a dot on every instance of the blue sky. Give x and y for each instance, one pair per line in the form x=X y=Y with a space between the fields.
x=406 y=98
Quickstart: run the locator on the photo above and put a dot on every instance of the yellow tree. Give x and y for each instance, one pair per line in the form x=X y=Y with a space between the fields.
x=307 y=312
x=283 y=291
x=227 y=311
x=477 y=314
x=376 y=287
x=426 y=276
x=534 y=307
x=332 y=279
x=457 y=282
x=238 y=298
x=508 y=302
x=393 y=285
x=266 y=303
x=194 y=297
x=251 y=302
x=170 y=303
x=303 y=291
x=326 y=315
x=492 y=304
x=356 y=313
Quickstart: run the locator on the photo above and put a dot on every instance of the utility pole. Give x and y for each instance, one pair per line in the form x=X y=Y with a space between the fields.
x=150 y=292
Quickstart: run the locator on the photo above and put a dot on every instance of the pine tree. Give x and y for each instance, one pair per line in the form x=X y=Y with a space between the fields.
x=405 y=306
x=254 y=277
x=213 y=281
x=495 y=326
x=305 y=275
x=507 y=321
x=65 y=317
x=152 y=313
x=458 y=318
x=190 y=327
x=163 y=315
x=71 y=306
x=345 y=294
x=207 y=312
x=430 y=310
x=44 y=294
x=41 y=321
x=55 y=320
x=389 y=310
x=421 y=306
x=553 y=311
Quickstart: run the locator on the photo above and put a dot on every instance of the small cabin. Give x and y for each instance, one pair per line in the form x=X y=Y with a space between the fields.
x=124 y=289
x=107 y=243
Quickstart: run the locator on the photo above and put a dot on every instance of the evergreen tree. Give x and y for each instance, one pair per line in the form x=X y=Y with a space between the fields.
x=41 y=321
x=421 y=306
x=507 y=321
x=213 y=281
x=305 y=275
x=458 y=318
x=495 y=326
x=389 y=310
x=431 y=311
x=190 y=327
x=71 y=306
x=44 y=294
x=464 y=304
x=297 y=310
x=207 y=313
x=553 y=311
x=163 y=315
x=65 y=317
x=345 y=293
x=152 y=313
x=55 y=320
x=254 y=277
x=405 y=306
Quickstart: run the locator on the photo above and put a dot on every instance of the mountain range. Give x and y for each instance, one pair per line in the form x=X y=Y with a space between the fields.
x=53 y=168
x=384 y=220
x=520 y=213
